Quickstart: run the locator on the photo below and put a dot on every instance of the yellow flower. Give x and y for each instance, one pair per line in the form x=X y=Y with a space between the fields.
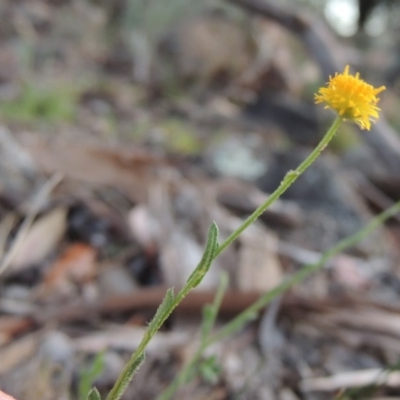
x=351 y=97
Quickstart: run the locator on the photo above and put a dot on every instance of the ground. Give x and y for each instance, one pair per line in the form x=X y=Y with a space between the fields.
x=126 y=129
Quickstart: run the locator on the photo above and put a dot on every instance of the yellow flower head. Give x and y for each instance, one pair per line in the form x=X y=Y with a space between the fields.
x=351 y=97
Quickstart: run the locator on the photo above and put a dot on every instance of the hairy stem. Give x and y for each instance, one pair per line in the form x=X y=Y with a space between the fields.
x=289 y=179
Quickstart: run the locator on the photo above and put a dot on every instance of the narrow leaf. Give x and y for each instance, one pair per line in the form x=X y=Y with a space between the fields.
x=93 y=395
x=89 y=375
x=208 y=256
x=163 y=311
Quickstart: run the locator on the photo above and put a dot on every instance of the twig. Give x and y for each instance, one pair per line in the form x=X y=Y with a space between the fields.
x=352 y=379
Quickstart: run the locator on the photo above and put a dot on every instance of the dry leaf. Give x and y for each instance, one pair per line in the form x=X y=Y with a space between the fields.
x=374 y=320
x=17 y=352
x=11 y=325
x=129 y=168
x=76 y=265
x=347 y=271
x=40 y=240
x=259 y=268
x=143 y=226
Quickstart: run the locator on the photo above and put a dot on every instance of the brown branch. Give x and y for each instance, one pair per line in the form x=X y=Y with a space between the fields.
x=234 y=302
x=149 y=299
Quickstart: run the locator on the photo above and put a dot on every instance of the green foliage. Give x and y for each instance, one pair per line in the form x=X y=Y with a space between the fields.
x=38 y=103
x=162 y=311
x=168 y=305
x=126 y=376
x=94 y=395
x=205 y=263
x=88 y=376
x=210 y=370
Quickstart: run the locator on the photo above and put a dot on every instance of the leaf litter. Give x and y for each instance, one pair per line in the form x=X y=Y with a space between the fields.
x=147 y=164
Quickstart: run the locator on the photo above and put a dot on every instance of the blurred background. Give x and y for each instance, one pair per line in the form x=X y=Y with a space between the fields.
x=127 y=127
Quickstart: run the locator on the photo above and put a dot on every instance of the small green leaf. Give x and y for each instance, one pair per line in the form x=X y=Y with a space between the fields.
x=89 y=375
x=162 y=312
x=210 y=370
x=93 y=395
x=208 y=256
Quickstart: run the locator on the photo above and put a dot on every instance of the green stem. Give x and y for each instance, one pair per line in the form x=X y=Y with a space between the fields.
x=167 y=306
x=248 y=314
x=208 y=323
x=211 y=252
x=289 y=179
